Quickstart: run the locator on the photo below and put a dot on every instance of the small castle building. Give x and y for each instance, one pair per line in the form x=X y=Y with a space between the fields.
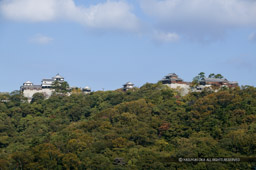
x=218 y=82
x=47 y=83
x=29 y=89
x=172 y=78
x=173 y=81
x=128 y=86
x=86 y=90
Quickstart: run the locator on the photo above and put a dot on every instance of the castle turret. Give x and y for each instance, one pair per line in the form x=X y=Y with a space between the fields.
x=47 y=83
x=127 y=86
x=29 y=89
x=172 y=78
x=27 y=83
x=173 y=81
x=58 y=78
x=86 y=90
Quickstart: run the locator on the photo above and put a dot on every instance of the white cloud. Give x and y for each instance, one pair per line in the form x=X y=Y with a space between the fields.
x=41 y=39
x=29 y=10
x=163 y=37
x=205 y=19
x=252 y=37
x=108 y=15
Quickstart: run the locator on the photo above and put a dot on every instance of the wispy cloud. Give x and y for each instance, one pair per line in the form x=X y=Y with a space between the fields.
x=200 y=19
x=107 y=15
x=252 y=37
x=41 y=39
x=163 y=37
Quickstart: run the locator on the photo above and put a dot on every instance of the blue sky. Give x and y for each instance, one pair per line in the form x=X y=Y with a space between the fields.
x=105 y=43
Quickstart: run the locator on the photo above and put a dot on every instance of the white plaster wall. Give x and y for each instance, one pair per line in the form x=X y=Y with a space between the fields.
x=129 y=86
x=28 y=93
x=184 y=89
x=47 y=92
x=47 y=82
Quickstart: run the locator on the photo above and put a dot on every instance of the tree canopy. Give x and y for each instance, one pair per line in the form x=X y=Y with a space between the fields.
x=139 y=129
x=60 y=87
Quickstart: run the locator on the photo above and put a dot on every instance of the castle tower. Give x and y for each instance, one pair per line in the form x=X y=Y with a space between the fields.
x=27 y=83
x=58 y=78
x=128 y=86
x=87 y=90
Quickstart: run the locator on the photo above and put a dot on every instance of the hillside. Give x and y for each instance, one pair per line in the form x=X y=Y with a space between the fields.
x=139 y=129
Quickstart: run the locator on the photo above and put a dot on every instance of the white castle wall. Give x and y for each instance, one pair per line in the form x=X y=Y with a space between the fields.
x=47 y=92
x=28 y=93
x=184 y=89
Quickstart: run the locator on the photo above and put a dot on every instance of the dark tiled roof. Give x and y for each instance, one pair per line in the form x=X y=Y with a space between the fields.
x=233 y=82
x=32 y=87
x=47 y=80
x=172 y=74
x=171 y=79
x=58 y=76
x=128 y=83
x=214 y=80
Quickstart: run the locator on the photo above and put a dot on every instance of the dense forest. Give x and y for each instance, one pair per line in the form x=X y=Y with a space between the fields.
x=139 y=129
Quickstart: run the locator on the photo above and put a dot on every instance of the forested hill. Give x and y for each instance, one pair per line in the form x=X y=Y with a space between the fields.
x=139 y=129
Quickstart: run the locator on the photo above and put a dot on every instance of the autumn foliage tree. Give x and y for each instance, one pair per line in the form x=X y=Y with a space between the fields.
x=140 y=129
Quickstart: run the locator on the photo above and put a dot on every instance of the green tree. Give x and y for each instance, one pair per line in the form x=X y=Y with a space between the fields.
x=197 y=79
x=47 y=156
x=218 y=76
x=71 y=161
x=37 y=98
x=60 y=87
x=212 y=75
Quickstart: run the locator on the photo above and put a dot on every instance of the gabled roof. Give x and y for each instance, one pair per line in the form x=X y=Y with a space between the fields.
x=58 y=76
x=214 y=80
x=128 y=83
x=47 y=80
x=172 y=74
x=233 y=82
x=32 y=87
x=172 y=79
x=87 y=88
x=28 y=82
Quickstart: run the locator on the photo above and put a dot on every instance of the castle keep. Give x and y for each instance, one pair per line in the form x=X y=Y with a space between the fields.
x=29 y=89
x=172 y=80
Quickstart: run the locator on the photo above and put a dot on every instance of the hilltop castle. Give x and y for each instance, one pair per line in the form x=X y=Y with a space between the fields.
x=173 y=81
x=127 y=86
x=29 y=89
